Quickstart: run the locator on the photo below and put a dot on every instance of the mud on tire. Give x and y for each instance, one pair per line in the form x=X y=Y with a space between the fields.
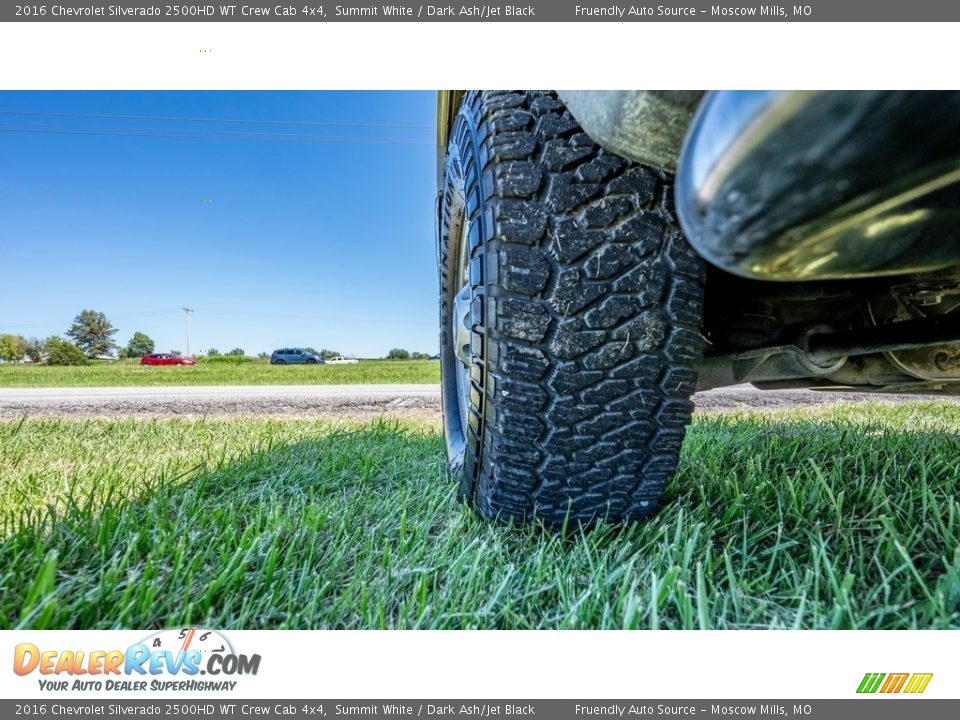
x=584 y=313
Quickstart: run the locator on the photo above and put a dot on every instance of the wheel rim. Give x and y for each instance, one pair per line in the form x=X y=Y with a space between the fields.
x=461 y=326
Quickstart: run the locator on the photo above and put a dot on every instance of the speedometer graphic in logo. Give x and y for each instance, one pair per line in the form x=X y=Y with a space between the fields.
x=182 y=640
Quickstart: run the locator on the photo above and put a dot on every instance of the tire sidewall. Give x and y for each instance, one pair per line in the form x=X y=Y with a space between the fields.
x=462 y=202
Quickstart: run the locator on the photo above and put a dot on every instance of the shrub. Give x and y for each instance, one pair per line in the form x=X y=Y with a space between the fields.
x=226 y=359
x=398 y=354
x=63 y=352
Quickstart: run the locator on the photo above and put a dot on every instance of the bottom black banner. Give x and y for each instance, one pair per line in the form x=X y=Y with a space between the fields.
x=874 y=708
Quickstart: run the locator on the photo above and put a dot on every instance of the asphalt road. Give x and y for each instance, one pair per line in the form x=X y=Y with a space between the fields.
x=212 y=392
x=337 y=400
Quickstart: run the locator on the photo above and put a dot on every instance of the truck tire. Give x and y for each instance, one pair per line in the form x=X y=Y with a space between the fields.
x=570 y=317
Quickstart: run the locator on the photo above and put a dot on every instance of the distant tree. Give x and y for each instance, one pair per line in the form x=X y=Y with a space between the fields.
x=178 y=353
x=419 y=356
x=327 y=354
x=12 y=347
x=63 y=352
x=92 y=333
x=312 y=350
x=213 y=352
x=398 y=354
x=34 y=349
x=140 y=344
x=263 y=355
x=236 y=352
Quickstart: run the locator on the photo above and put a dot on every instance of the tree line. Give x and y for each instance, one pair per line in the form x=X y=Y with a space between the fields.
x=91 y=336
x=401 y=354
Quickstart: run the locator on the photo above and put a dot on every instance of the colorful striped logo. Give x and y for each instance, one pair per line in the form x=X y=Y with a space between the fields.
x=894 y=683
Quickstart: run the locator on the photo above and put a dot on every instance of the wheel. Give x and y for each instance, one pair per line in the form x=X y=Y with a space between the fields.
x=311 y=362
x=281 y=362
x=570 y=313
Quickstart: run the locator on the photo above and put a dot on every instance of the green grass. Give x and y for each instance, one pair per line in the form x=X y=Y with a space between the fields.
x=830 y=518
x=251 y=373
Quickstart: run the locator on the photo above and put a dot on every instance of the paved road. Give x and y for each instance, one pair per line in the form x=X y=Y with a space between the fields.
x=326 y=400
x=210 y=392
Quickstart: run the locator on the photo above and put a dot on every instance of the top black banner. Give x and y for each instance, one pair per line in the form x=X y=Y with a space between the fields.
x=535 y=11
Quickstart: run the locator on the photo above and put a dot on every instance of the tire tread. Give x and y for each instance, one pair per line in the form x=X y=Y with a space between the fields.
x=591 y=327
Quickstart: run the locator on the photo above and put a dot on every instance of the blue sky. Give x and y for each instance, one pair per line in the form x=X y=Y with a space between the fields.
x=304 y=242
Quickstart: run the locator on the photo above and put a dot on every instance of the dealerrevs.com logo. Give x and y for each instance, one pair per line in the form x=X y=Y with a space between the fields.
x=169 y=660
x=892 y=683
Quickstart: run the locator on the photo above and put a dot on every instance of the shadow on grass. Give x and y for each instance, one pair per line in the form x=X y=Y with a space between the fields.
x=798 y=523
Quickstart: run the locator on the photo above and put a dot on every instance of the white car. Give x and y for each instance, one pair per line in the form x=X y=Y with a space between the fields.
x=341 y=360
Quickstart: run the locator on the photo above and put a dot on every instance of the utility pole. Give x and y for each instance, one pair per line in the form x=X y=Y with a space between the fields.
x=189 y=312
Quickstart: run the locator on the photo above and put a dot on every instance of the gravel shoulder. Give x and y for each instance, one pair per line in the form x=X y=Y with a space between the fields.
x=345 y=401
x=747 y=397
x=334 y=401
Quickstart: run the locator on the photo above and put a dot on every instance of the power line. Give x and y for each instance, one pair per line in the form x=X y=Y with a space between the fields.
x=250 y=137
x=123 y=316
x=202 y=311
x=277 y=316
x=333 y=318
x=244 y=121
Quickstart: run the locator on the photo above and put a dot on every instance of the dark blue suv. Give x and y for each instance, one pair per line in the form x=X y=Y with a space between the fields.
x=294 y=356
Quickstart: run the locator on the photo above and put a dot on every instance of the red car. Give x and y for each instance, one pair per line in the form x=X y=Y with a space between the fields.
x=165 y=359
